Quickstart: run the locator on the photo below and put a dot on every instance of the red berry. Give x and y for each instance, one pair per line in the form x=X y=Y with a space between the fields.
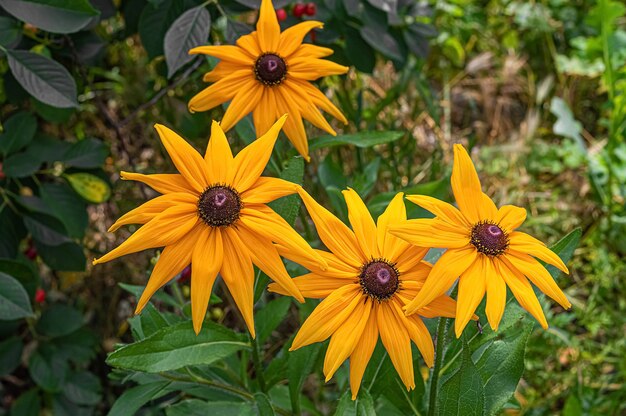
x=31 y=252
x=2 y=175
x=281 y=14
x=299 y=9
x=40 y=295
x=310 y=9
x=185 y=274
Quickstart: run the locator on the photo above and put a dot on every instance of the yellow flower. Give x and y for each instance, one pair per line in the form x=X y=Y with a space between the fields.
x=371 y=275
x=214 y=216
x=268 y=73
x=483 y=249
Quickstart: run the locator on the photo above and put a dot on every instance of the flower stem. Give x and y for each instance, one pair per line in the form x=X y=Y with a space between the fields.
x=258 y=365
x=441 y=331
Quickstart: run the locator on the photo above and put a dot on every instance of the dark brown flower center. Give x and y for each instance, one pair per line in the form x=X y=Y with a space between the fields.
x=379 y=279
x=489 y=239
x=219 y=206
x=270 y=69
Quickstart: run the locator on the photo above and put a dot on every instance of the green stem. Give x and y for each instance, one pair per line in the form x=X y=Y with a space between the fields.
x=441 y=331
x=178 y=295
x=212 y=384
x=258 y=365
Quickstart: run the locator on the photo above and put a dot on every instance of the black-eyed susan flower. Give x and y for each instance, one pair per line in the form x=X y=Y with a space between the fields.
x=267 y=73
x=213 y=214
x=371 y=276
x=483 y=249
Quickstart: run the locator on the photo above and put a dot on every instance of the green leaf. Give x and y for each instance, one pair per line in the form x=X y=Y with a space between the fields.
x=299 y=366
x=20 y=165
x=83 y=388
x=46 y=229
x=346 y=406
x=364 y=139
x=10 y=355
x=28 y=404
x=13 y=231
x=436 y=189
x=359 y=52
x=383 y=42
x=501 y=364
x=68 y=207
x=14 y=302
x=59 y=320
x=263 y=404
x=270 y=316
x=10 y=32
x=161 y=296
x=288 y=207
x=90 y=187
x=191 y=29
x=365 y=404
x=66 y=257
x=134 y=398
x=48 y=368
x=24 y=274
x=86 y=153
x=154 y=21
x=151 y=320
x=566 y=125
x=177 y=346
x=195 y=407
x=19 y=131
x=56 y=16
x=564 y=248
x=45 y=79
x=462 y=393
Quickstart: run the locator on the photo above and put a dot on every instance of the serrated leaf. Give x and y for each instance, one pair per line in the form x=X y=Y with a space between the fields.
x=14 y=302
x=364 y=139
x=177 y=346
x=189 y=30
x=56 y=16
x=134 y=398
x=90 y=187
x=45 y=79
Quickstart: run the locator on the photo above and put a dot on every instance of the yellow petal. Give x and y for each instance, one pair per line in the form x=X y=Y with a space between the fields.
x=466 y=185
x=522 y=290
x=510 y=217
x=496 y=295
x=430 y=233
x=250 y=44
x=147 y=211
x=328 y=316
x=442 y=210
x=345 y=338
x=472 y=286
x=442 y=306
x=410 y=258
x=421 y=337
x=166 y=228
x=308 y=110
x=308 y=50
x=186 y=159
x=251 y=161
x=362 y=224
x=524 y=243
x=223 y=69
x=336 y=268
x=487 y=210
x=449 y=266
x=417 y=273
x=389 y=245
x=294 y=128
x=265 y=256
x=261 y=117
x=246 y=100
x=319 y=99
x=363 y=351
x=312 y=285
x=173 y=259
x=218 y=157
x=267 y=27
x=206 y=262
x=227 y=53
x=311 y=69
x=163 y=183
x=397 y=343
x=220 y=92
x=238 y=274
x=538 y=274
x=291 y=39
x=334 y=234
x=267 y=189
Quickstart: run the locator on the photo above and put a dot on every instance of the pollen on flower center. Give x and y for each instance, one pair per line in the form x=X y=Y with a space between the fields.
x=219 y=206
x=489 y=239
x=270 y=69
x=379 y=279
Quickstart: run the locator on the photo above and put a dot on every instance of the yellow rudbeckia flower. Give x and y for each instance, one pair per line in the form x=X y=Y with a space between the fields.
x=483 y=249
x=267 y=73
x=213 y=214
x=371 y=276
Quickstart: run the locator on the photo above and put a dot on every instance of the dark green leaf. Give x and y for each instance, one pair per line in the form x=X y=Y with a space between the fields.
x=177 y=346
x=288 y=207
x=79 y=346
x=364 y=182
x=83 y=388
x=45 y=79
x=417 y=44
x=86 y=153
x=57 y=16
x=365 y=404
x=151 y=320
x=364 y=139
x=53 y=114
x=20 y=165
x=10 y=32
x=154 y=21
x=160 y=295
x=263 y=404
x=270 y=316
x=66 y=257
x=299 y=366
x=383 y=42
x=59 y=320
x=564 y=248
x=359 y=52
x=46 y=230
x=132 y=399
x=66 y=206
x=462 y=393
x=10 y=355
x=195 y=407
x=14 y=302
x=346 y=406
x=48 y=368
x=191 y=29
x=47 y=149
x=28 y=404
x=12 y=232
x=19 y=131
x=24 y=274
